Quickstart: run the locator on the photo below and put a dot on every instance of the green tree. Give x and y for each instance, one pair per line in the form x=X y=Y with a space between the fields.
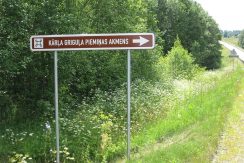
x=241 y=39
x=26 y=78
x=196 y=29
x=106 y=70
x=180 y=63
x=14 y=26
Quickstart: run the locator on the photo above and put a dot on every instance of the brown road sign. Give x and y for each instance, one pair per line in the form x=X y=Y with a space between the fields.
x=92 y=42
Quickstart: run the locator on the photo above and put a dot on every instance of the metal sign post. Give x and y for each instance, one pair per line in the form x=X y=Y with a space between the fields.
x=128 y=102
x=56 y=102
x=114 y=41
x=233 y=55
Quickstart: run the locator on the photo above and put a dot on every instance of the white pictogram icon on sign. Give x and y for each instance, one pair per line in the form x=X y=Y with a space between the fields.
x=38 y=43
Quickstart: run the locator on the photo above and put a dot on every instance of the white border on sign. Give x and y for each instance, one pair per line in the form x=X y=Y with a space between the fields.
x=105 y=48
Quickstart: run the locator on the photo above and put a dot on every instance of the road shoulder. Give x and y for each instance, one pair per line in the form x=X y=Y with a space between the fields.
x=231 y=145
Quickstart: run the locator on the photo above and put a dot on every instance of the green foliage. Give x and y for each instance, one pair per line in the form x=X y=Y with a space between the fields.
x=91 y=132
x=198 y=32
x=190 y=132
x=226 y=60
x=92 y=90
x=20 y=158
x=26 y=78
x=81 y=73
x=179 y=64
x=232 y=40
x=228 y=34
x=241 y=39
x=96 y=130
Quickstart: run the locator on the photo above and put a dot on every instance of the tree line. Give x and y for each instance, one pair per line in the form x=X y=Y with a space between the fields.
x=238 y=34
x=241 y=39
x=26 y=78
x=227 y=33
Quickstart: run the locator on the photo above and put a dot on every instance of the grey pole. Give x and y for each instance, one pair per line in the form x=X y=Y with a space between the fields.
x=128 y=102
x=56 y=102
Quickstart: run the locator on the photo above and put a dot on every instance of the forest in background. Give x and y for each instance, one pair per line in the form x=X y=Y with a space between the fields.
x=237 y=37
x=186 y=43
x=27 y=78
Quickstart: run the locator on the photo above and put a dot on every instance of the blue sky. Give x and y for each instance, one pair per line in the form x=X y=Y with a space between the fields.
x=229 y=14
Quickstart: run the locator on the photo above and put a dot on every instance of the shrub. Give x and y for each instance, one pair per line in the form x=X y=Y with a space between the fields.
x=179 y=63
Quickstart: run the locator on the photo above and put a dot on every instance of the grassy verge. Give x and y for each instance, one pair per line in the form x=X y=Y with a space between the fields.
x=96 y=130
x=89 y=134
x=177 y=121
x=232 y=40
x=197 y=121
x=226 y=60
x=230 y=146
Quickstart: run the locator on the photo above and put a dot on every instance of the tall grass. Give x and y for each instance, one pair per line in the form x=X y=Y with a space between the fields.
x=91 y=132
x=201 y=117
x=232 y=40
x=94 y=130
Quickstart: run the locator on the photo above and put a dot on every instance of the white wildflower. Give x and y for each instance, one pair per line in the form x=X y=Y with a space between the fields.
x=48 y=127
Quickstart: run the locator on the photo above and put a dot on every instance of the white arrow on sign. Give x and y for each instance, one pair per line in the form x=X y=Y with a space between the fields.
x=142 y=41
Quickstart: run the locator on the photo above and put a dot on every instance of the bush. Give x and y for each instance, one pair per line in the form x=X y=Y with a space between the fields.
x=179 y=64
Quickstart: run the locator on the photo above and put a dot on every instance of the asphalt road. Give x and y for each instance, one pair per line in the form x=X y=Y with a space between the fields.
x=231 y=47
